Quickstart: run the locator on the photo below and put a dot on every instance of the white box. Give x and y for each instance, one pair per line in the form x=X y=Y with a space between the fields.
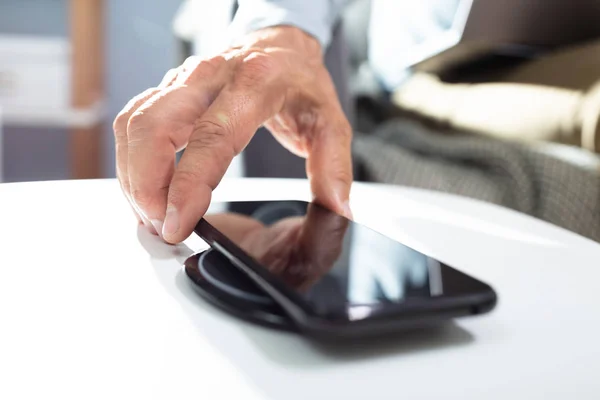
x=34 y=73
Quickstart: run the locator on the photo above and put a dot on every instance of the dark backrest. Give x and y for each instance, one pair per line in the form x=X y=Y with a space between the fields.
x=545 y=23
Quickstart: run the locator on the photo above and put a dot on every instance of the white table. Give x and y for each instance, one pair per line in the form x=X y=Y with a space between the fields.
x=91 y=307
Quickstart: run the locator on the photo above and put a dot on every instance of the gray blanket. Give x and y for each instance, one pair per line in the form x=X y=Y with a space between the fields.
x=512 y=175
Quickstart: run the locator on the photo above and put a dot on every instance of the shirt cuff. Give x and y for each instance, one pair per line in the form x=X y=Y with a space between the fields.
x=313 y=17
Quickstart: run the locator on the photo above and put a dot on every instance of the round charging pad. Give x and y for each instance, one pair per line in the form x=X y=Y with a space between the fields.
x=224 y=285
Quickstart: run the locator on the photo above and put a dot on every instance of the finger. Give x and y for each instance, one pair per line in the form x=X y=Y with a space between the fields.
x=222 y=132
x=161 y=127
x=180 y=74
x=285 y=131
x=321 y=239
x=154 y=135
x=120 y=132
x=169 y=78
x=329 y=162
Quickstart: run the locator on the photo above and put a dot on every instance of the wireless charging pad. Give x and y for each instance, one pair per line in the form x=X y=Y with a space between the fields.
x=225 y=286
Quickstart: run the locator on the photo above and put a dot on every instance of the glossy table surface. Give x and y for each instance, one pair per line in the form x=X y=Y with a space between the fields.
x=94 y=307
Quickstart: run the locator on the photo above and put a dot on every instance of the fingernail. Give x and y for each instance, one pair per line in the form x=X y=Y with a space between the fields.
x=171 y=225
x=347 y=210
x=158 y=225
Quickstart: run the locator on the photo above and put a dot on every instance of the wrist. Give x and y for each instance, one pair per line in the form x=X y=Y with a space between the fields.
x=285 y=37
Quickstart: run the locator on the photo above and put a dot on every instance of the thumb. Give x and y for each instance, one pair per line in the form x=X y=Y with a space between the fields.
x=329 y=162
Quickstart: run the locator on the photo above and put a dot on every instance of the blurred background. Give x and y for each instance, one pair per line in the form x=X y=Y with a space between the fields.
x=124 y=48
x=497 y=100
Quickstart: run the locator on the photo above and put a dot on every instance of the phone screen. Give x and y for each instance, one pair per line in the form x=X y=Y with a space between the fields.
x=337 y=266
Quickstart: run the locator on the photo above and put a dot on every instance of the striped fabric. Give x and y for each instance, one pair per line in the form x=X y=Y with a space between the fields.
x=512 y=175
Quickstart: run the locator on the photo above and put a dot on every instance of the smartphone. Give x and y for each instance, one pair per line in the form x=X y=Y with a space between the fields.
x=334 y=277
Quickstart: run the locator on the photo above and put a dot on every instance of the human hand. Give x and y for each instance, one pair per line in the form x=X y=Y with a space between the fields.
x=297 y=249
x=212 y=108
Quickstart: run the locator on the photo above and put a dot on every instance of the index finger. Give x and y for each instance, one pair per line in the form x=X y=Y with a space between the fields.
x=329 y=162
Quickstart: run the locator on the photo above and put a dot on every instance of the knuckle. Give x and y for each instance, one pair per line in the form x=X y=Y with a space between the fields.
x=211 y=141
x=121 y=121
x=135 y=119
x=134 y=124
x=202 y=69
x=140 y=98
x=214 y=63
x=213 y=136
x=142 y=197
x=256 y=68
x=120 y=124
x=210 y=133
x=189 y=64
x=138 y=127
x=169 y=77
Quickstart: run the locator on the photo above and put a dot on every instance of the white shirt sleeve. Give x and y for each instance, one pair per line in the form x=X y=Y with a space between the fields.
x=315 y=17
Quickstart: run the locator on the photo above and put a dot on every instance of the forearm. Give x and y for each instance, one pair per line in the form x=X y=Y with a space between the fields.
x=315 y=17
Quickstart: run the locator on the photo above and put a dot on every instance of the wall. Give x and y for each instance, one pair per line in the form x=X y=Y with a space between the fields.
x=139 y=47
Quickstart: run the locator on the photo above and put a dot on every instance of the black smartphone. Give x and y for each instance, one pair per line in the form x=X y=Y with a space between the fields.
x=337 y=278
